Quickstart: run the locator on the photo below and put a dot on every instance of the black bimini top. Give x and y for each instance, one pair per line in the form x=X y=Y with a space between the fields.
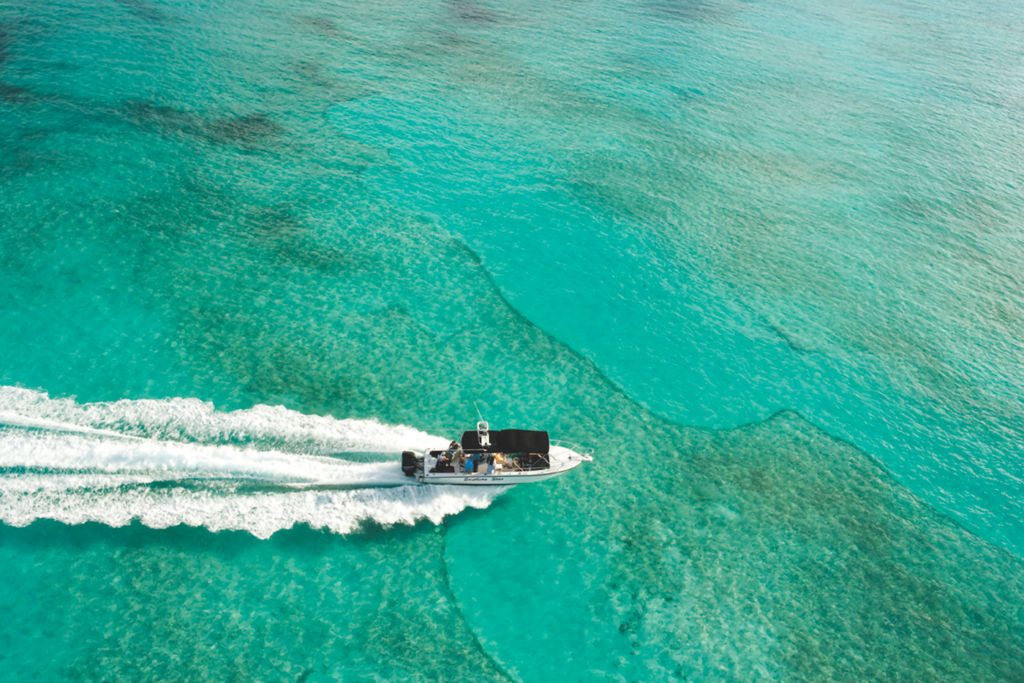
x=509 y=441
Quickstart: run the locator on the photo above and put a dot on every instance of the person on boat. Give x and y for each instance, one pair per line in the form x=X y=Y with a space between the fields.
x=469 y=464
x=454 y=453
x=444 y=462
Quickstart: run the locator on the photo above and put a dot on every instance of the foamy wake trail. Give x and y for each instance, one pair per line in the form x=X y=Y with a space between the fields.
x=180 y=461
x=189 y=419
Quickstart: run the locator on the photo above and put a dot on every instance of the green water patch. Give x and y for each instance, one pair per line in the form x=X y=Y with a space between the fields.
x=279 y=248
x=5 y=43
x=85 y=603
x=394 y=211
x=146 y=11
x=772 y=552
x=738 y=255
x=687 y=11
x=246 y=130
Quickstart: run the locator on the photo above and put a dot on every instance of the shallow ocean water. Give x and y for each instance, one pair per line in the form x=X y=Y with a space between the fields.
x=764 y=257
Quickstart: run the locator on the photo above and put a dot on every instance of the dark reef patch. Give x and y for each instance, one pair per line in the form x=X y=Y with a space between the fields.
x=273 y=222
x=15 y=94
x=145 y=10
x=684 y=10
x=5 y=44
x=322 y=26
x=279 y=230
x=321 y=259
x=790 y=342
x=450 y=39
x=320 y=82
x=17 y=160
x=245 y=130
x=472 y=13
x=314 y=74
x=165 y=120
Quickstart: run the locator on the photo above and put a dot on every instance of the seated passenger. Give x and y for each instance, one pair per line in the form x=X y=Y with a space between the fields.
x=469 y=464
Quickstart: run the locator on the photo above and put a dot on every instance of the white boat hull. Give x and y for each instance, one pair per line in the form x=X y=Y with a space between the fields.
x=562 y=460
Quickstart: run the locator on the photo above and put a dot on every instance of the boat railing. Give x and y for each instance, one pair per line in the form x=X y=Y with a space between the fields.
x=512 y=467
x=574 y=447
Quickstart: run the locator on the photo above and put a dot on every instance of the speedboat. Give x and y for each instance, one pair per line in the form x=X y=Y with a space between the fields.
x=495 y=458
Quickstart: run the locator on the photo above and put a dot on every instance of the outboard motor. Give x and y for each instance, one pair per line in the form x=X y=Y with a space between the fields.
x=409 y=463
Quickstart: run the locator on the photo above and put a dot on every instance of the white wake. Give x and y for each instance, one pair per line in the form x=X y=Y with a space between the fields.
x=180 y=461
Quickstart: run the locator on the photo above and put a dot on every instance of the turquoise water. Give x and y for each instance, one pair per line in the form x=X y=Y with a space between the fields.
x=765 y=257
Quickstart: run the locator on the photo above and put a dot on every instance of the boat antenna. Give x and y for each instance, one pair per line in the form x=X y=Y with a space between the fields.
x=478 y=414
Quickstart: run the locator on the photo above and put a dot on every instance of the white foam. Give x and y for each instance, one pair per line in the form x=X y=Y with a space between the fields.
x=76 y=500
x=189 y=419
x=70 y=452
x=165 y=463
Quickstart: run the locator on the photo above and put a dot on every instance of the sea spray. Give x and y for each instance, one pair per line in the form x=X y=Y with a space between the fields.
x=189 y=419
x=169 y=462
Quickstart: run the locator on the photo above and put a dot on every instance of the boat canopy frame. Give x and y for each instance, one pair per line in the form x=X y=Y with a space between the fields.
x=508 y=441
